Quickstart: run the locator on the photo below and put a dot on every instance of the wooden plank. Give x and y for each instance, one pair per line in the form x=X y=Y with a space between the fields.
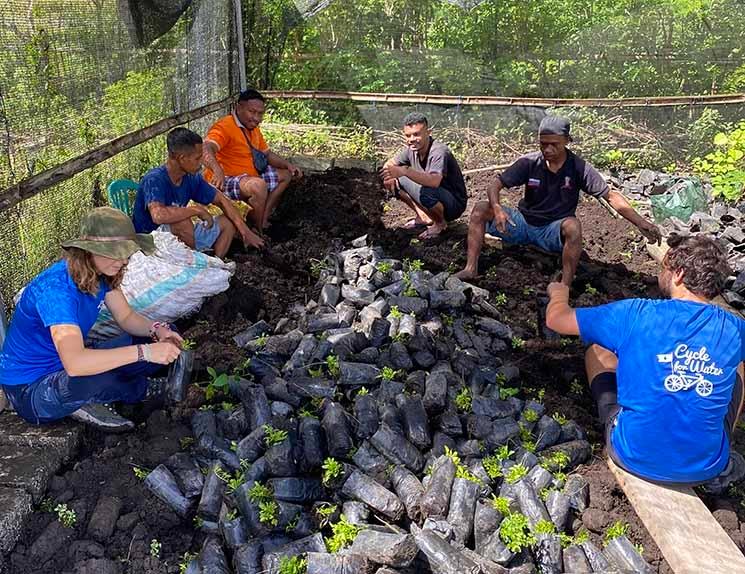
x=690 y=539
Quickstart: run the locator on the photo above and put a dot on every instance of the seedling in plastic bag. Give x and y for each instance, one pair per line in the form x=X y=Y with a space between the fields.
x=363 y=392
x=188 y=345
x=559 y=418
x=615 y=530
x=260 y=493
x=292 y=524
x=388 y=374
x=140 y=472
x=325 y=511
x=185 y=560
x=463 y=400
x=344 y=533
x=155 y=547
x=516 y=473
x=293 y=565
x=65 y=515
x=515 y=532
x=556 y=461
x=544 y=527
x=461 y=470
x=232 y=482
x=261 y=341
x=503 y=453
x=501 y=505
x=269 y=512
x=395 y=312
x=507 y=392
x=492 y=466
x=232 y=515
x=530 y=415
x=273 y=436
x=385 y=267
x=332 y=469
x=332 y=365
x=217 y=384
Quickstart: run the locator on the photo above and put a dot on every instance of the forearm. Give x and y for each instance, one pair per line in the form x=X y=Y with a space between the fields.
x=208 y=156
x=135 y=324
x=560 y=317
x=276 y=160
x=96 y=361
x=424 y=179
x=492 y=193
x=618 y=202
x=163 y=214
x=229 y=209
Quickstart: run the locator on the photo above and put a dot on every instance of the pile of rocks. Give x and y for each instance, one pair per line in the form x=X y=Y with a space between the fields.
x=386 y=416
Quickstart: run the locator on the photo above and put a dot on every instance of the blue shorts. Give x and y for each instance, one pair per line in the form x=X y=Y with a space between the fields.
x=520 y=232
x=204 y=237
x=428 y=197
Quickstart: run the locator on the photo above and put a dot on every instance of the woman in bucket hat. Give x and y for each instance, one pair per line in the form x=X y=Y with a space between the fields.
x=46 y=370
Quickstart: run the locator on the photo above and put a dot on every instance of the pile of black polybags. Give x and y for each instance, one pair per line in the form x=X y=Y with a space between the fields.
x=383 y=422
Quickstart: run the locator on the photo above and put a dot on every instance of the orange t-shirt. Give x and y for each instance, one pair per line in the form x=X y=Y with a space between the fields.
x=234 y=155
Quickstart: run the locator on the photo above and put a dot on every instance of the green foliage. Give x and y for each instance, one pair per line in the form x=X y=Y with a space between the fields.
x=293 y=565
x=155 y=548
x=332 y=469
x=463 y=400
x=343 y=534
x=461 y=470
x=388 y=374
x=232 y=481
x=188 y=344
x=530 y=415
x=217 y=384
x=503 y=453
x=559 y=418
x=517 y=343
x=232 y=515
x=332 y=366
x=556 y=461
x=725 y=166
x=384 y=267
x=65 y=515
x=413 y=265
x=259 y=493
x=590 y=290
x=269 y=512
x=326 y=511
x=501 y=505
x=507 y=392
x=292 y=524
x=516 y=473
x=492 y=466
x=500 y=299
x=186 y=558
x=363 y=392
x=615 y=530
x=46 y=505
x=515 y=532
x=395 y=312
x=447 y=320
x=544 y=527
x=273 y=436
x=261 y=341
x=140 y=472
x=307 y=412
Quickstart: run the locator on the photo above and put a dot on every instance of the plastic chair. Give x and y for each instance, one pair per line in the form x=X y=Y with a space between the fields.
x=119 y=194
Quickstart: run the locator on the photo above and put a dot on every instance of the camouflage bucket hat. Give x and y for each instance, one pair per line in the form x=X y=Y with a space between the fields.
x=109 y=232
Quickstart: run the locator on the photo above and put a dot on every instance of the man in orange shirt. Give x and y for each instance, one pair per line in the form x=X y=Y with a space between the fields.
x=241 y=165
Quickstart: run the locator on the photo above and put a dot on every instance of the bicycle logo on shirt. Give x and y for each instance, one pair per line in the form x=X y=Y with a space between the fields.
x=688 y=368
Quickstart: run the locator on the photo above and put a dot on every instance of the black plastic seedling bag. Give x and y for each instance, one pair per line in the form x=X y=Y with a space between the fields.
x=179 y=377
x=363 y=488
x=435 y=393
x=390 y=416
x=311 y=444
x=323 y=563
x=436 y=498
x=397 y=449
x=450 y=424
x=397 y=550
x=486 y=520
x=247 y=558
x=356 y=512
x=557 y=505
x=272 y=558
x=194 y=567
x=211 y=500
x=416 y=422
x=163 y=485
x=366 y=416
x=250 y=511
x=530 y=504
x=296 y=490
x=596 y=558
x=252 y=446
x=280 y=459
x=371 y=462
x=463 y=498
x=233 y=532
x=623 y=553
x=213 y=558
x=257 y=470
x=255 y=404
x=441 y=556
x=287 y=515
x=575 y=560
x=548 y=554
x=203 y=423
x=409 y=489
x=217 y=448
x=187 y=474
x=335 y=426
x=278 y=390
x=495 y=550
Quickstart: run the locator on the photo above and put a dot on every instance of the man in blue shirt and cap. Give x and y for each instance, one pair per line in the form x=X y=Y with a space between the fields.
x=545 y=217
x=667 y=375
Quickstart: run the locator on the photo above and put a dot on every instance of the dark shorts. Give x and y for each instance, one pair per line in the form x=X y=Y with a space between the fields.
x=232 y=187
x=605 y=391
x=428 y=197
x=520 y=232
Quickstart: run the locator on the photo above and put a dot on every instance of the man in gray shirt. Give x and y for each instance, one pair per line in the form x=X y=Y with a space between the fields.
x=545 y=216
x=425 y=176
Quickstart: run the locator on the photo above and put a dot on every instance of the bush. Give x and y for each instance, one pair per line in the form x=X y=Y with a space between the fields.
x=725 y=166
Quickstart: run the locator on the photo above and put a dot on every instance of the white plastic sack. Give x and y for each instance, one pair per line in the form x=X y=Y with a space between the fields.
x=171 y=283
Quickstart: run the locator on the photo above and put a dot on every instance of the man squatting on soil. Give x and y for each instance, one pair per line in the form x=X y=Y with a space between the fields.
x=241 y=165
x=163 y=197
x=667 y=375
x=545 y=217
x=46 y=370
x=425 y=176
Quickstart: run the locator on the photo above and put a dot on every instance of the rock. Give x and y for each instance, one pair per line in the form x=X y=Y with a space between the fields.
x=330 y=295
x=127 y=522
x=494 y=327
x=83 y=549
x=447 y=299
x=596 y=520
x=103 y=520
x=727 y=519
x=98 y=566
x=51 y=540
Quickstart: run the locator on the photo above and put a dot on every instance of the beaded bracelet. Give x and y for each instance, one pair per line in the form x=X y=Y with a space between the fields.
x=146 y=353
x=140 y=354
x=155 y=326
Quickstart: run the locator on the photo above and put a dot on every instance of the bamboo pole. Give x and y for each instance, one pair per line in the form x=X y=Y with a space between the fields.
x=47 y=178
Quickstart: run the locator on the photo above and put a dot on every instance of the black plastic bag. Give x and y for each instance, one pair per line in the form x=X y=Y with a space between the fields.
x=486 y=520
x=371 y=462
x=203 y=423
x=530 y=504
x=416 y=422
x=296 y=490
x=280 y=459
x=324 y=563
x=356 y=512
x=596 y=558
x=557 y=505
x=390 y=416
x=575 y=560
x=311 y=444
x=548 y=554
x=179 y=377
x=255 y=405
x=397 y=449
x=163 y=485
x=623 y=553
x=187 y=474
x=217 y=448
x=252 y=446
x=397 y=550
x=366 y=415
x=247 y=558
x=257 y=471
x=441 y=556
x=409 y=490
x=336 y=429
x=450 y=423
x=278 y=390
x=495 y=550
x=436 y=498
x=463 y=498
x=435 y=393
x=272 y=559
x=213 y=558
x=363 y=488
x=234 y=532
x=214 y=488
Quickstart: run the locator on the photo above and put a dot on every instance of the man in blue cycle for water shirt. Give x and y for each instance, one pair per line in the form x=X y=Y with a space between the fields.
x=667 y=375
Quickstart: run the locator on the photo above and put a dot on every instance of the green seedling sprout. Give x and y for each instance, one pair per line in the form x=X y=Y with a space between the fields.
x=307 y=412
x=343 y=535
x=260 y=493
x=615 y=530
x=326 y=511
x=269 y=512
x=517 y=343
x=186 y=558
x=500 y=300
x=292 y=524
x=332 y=366
x=507 y=392
x=544 y=527
x=261 y=341
x=463 y=400
x=515 y=532
x=516 y=473
x=388 y=374
x=188 y=345
x=363 y=392
x=198 y=522
x=395 y=312
x=503 y=453
x=332 y=469
x=46 y=505
x=501 y=505
x=556 y=461
x=492 y=466
x=185 y=442
x=544 y=492
x=590 y=290
x=65 y=515
x=559 y=418
x=530 y=415
x=385 y=267
x=232 y=515
x=232 y=482
x=273 y=436
x=155 y=547
x=217 y=383
x=140 y=473
x=461 y=470
x=293 y=565
x=576 y=387
x=447 y=320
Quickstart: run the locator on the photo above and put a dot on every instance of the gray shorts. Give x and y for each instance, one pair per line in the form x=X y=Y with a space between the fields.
x=428 y=197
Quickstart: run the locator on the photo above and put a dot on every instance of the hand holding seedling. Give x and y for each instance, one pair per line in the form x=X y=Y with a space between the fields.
x=163 y=353
x=164 y=334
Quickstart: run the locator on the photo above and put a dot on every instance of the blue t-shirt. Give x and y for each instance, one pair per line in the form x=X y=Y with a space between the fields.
x=51 y=298
x=157 y=186
x=677 y=363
